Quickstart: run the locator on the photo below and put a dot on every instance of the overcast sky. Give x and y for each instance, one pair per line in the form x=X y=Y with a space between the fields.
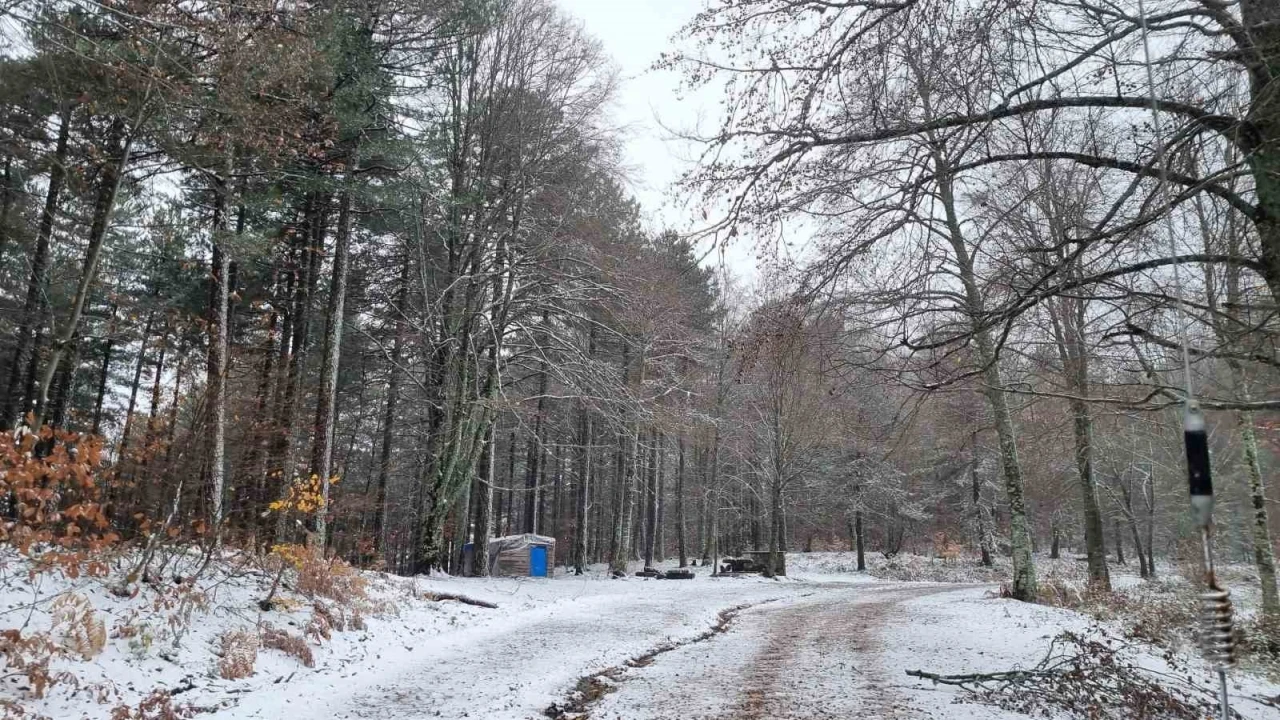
x=635 y=33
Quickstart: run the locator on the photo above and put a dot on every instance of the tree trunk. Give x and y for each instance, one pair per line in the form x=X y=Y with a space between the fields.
x=26 y=350
x=6 y=202
x=509 y=520
x=859 y=540
x=123 y=448
x=1126 y=493
x=1149 y=495
x=484 y=509
x=1263 y=553
x=681 y=546
x=310 y=245
x=259 y=437
x=1119 y=542
x=980 y=521
x=326 y=402
x=651 y=504
x=104 y=375
x=1024 y=572
x=65 y=387
x=776 y=525
x=624 y=469
x=1067 y=316
x=583 y=496
x=1261 y=23
x=713 y=488
x=389 y=416
x=104 y=207
x=150 y=438
x=557 y=492
x=660 y=502
x=1263 y=548
x=219 y=345
x=534 y=455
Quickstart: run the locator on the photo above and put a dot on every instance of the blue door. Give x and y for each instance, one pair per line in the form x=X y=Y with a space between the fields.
x=538 y=561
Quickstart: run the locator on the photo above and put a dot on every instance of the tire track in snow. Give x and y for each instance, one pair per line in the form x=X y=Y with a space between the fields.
x=792 y=677
x=590 y=689
x=812 y=658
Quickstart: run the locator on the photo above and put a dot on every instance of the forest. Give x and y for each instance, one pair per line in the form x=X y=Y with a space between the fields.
x=367 y=277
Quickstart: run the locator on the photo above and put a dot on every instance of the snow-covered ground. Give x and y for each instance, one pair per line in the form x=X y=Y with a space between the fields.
x=826 y=642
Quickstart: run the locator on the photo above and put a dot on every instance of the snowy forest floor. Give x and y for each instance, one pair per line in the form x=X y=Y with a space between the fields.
x=824 y=643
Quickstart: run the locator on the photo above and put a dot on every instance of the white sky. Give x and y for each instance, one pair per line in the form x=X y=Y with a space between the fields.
x=635 y=33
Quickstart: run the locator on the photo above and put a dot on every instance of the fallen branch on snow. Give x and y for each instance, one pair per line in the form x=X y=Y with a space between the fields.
x=438 y=596
x=1086 y=678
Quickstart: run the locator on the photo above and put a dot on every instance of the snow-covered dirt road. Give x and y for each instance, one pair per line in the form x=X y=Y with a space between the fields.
x=795 y=651
x=798 y=650
x=814 y=657
x=514 y=662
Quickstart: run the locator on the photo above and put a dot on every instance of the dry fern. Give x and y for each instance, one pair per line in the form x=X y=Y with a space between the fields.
x=331 y=578
x=287 y=643
x=238 y=654
x=78 y=628
x=319 y=627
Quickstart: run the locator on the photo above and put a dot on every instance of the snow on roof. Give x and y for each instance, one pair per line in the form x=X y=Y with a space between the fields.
x=525 y=538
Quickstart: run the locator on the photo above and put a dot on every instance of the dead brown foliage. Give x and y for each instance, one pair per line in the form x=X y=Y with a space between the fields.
x=287 y=643
x=239 y=653
x=28 y=656
x=331 y=578
x=52 y=477
x=79 y=630
x=156 y=706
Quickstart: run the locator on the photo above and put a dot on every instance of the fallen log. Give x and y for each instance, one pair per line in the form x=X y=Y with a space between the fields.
x=440 y=596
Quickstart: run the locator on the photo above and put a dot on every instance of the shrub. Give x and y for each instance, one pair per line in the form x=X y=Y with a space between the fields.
x=156 y=706
x=287 y=643
x=319 y=628
x=79 y=630
x=57 y=519
x=239 y=652
x=28 y=656
x=10 y=710
x=318 y=576
x=1053 y=590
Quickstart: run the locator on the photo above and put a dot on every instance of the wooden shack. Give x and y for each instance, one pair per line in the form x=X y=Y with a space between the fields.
x=525 y=555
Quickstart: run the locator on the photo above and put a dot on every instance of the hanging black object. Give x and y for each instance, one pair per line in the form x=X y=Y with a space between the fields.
x=1199 y=476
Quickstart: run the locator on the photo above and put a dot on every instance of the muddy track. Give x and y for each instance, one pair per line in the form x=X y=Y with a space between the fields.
x=591 y=688
x=768 y=691
x=821 y=656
